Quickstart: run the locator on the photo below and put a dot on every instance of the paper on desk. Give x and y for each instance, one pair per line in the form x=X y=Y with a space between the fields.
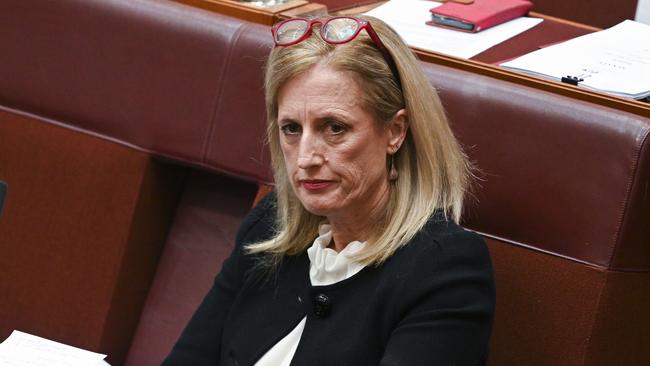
x=23 y=349
x=408 y=18
x=615 y=60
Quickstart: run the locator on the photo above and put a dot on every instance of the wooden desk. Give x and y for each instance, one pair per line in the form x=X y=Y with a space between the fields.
x=552 y=30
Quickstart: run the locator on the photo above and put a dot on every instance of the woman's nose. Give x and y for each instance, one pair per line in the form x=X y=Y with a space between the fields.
x=310 y=154
x=306 y=161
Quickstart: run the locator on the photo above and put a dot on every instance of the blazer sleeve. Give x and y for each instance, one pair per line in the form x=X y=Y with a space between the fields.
x=200 y=342
x=448 y=305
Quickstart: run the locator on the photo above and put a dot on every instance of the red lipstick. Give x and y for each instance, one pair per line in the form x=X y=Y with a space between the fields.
x=314 y=184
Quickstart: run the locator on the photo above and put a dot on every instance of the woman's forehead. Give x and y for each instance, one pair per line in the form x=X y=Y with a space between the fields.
x=321 y=86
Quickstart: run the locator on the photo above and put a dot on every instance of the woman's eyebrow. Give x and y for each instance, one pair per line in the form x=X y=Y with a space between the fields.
x=285 y=120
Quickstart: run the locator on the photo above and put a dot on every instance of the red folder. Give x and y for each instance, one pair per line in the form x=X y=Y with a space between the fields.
x=479 y=15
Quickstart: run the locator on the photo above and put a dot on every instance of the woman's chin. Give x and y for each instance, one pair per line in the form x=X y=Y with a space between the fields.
x=316 y=207
x=317 y=210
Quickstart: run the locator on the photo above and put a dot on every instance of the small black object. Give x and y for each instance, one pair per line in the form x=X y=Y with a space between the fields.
x=3 y=192
x=322 y=305
x=573 y=80
x=452 y=22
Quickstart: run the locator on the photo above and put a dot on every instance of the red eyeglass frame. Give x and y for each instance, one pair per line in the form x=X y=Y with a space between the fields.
x=363 y=24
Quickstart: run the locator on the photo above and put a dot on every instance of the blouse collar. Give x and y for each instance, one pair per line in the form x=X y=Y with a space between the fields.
x=329 y=266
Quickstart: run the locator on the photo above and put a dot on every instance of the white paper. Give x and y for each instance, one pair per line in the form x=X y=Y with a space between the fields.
x=409 y=17
x=23 y=349
x=615 y=60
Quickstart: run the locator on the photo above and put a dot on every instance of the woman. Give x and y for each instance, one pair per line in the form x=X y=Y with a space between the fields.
x=356 y=258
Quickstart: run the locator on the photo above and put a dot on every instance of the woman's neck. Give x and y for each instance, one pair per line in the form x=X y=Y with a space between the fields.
x=359 y=225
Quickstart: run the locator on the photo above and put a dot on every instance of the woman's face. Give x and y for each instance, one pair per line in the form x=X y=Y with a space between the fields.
x=334 y=149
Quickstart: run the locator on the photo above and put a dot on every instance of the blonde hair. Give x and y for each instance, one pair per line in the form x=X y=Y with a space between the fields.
x=433 y=171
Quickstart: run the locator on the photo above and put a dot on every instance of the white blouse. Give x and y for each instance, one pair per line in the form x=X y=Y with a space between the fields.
x=327 y=267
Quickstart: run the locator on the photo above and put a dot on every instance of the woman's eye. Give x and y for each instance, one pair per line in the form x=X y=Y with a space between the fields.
x=290 y=129
x=336 y=128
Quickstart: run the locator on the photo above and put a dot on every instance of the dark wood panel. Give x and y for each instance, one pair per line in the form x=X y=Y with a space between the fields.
x=600 y=13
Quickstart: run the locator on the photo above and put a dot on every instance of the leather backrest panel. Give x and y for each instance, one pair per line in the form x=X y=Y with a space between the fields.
x=555 y=174
x=200 y=238
x=167 y=78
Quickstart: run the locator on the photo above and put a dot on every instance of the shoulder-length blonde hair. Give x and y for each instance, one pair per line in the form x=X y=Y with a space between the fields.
x=433 y=171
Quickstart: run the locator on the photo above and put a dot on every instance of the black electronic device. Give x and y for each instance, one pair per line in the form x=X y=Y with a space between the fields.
x=3 y=193
x=452 y=22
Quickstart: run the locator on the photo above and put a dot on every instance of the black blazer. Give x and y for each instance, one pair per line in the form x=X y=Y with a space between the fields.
x=431 y=303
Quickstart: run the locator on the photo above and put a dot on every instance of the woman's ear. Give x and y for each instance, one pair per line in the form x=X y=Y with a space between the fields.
x=397 y=129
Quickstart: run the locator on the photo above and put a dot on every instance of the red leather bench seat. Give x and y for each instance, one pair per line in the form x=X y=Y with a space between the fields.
x=161 y=77
x=131 y=137
x=107 y=109
x=561 y=196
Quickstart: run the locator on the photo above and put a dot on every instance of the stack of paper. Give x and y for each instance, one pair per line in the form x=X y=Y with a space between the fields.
x=615 y=60
x=22 y=349
x=409 y=17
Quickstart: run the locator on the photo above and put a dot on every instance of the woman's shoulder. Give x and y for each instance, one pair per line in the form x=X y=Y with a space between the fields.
x=259 y=224
x=442 y=242
x=446 y=264
x=440 y=292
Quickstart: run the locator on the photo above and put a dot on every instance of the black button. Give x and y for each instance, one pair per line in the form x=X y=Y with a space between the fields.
x=322 y=305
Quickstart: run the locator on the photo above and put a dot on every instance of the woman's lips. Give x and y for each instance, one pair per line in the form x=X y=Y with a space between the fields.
x=315 y=184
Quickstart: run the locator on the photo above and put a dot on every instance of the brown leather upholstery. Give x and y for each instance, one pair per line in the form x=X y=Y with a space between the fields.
x=200 y=238
x=164 y=77
x=561 y=196
x=93 y=94
x=81 y=233
x=89 y=208
x=569 y=175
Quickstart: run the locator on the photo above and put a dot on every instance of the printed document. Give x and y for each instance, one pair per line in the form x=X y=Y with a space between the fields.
x=23 y=349
x=408 y=18
x=615 y=60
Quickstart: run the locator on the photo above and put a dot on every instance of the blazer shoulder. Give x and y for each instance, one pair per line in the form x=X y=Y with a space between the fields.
x=444 y=240
x=259 y=224
x=442 y=298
